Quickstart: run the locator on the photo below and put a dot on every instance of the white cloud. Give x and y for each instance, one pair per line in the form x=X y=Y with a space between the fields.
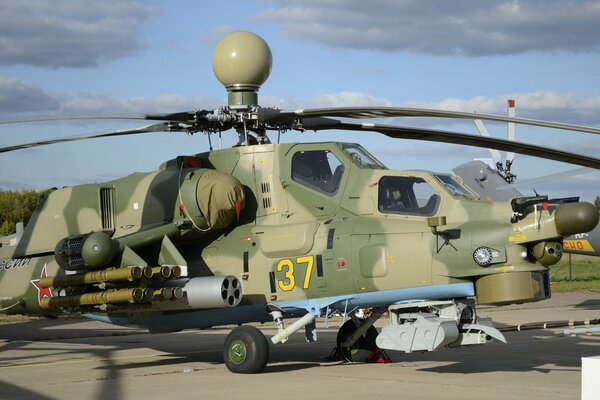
x=88 y=103
x=18 y=96
x=374 y=71
x=337 y=99
x=70 y=33
x=348 y=99
x=547 y=105
x=460 y=27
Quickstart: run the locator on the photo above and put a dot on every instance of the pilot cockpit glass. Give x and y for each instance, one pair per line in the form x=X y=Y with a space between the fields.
x=361 y=157
x=455 y=187
x=319 y=170
x=407 y=195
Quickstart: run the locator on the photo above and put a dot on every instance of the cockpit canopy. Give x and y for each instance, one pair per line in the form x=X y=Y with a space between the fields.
x=322 y=170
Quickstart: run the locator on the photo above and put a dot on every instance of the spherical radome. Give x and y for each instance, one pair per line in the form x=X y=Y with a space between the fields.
x=242 y=59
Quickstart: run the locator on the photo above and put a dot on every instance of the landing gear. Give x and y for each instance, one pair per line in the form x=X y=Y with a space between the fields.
x=246 y=350
x=362 y=349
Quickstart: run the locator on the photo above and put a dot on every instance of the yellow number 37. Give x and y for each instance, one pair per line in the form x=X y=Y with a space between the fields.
x=288 y=266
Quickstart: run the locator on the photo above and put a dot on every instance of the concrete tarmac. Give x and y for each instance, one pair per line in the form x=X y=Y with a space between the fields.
x=75 y=358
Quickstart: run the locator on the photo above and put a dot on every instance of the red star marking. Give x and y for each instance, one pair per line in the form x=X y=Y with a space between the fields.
x=42 y=292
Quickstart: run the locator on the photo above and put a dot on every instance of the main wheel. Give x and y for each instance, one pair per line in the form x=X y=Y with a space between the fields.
x=364 y=346
x=246 y=350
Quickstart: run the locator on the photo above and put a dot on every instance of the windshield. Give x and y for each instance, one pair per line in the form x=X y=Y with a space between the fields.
x=361 y=157
x=456 y=188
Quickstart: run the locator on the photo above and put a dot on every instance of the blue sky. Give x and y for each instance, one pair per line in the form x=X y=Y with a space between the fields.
x=86 y=58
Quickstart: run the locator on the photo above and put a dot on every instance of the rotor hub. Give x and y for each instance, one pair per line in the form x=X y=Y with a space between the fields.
x=242 y=62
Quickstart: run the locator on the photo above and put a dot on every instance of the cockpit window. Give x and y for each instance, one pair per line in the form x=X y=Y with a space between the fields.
x=407 y=195
x=361 y=157
x=456 y=188
x=319 y=170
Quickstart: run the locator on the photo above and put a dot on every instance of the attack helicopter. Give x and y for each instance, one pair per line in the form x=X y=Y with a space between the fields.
x=264 y=232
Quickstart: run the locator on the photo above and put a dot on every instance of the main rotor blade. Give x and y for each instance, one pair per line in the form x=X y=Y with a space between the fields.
x=185 y=116
x=162 y=127
x=381 y=112
x=433 y=135
x=68 y=118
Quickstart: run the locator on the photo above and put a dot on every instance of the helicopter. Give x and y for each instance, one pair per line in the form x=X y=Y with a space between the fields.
x=265 y=232
x=584 y=243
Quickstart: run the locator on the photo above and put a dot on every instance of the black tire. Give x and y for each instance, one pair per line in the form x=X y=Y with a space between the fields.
x=364 y=346
x=246 y=350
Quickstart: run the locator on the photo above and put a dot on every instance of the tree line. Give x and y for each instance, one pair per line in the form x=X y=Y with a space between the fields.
x=17 y=206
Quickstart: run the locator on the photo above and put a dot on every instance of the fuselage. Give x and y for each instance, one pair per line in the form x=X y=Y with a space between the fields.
x=317 y=222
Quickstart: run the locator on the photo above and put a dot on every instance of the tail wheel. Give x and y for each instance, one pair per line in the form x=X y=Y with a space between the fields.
x=364 y=346
x=246 y=350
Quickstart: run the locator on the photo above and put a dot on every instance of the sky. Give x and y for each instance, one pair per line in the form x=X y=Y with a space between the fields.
x=76 y=57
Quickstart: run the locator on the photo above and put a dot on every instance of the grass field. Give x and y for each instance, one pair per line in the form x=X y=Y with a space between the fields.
x=584 y=274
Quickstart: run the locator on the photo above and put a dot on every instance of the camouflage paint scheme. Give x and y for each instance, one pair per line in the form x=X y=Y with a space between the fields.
x=283 y=228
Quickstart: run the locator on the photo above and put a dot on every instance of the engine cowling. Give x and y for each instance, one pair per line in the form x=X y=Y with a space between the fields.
x=212 y=199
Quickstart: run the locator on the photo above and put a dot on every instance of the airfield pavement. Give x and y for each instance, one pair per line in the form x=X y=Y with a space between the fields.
x=75 y=358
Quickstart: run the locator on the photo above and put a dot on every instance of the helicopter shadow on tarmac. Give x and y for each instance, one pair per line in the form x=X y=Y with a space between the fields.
x=75 y=343
x=540 y=351
x=525 y=351
x=528 y=350
x=593 y=304
x=112 y=356
x=99 y=340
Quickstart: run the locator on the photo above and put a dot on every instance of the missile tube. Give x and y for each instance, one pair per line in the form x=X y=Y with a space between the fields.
x=126 y=274
x=113 y=296
x=166 y=272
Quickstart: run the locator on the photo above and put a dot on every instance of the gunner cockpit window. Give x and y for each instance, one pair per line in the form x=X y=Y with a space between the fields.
x=407 y=195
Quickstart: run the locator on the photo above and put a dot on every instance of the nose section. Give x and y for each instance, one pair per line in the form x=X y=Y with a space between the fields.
x=575 y=218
